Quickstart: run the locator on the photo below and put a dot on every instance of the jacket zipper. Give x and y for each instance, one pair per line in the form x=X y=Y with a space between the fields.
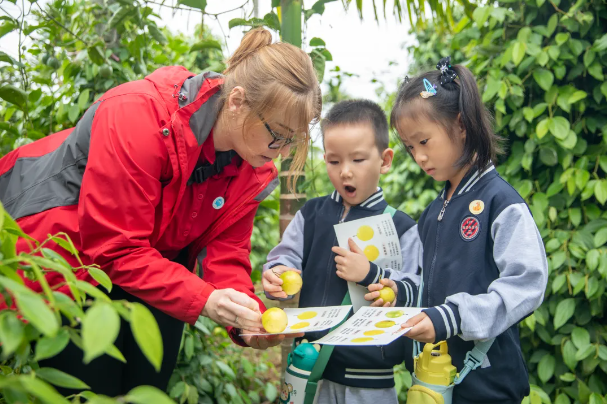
x=431 y=273
x=332 y=258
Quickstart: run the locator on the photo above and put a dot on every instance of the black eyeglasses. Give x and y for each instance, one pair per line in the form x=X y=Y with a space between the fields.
x=279 y=140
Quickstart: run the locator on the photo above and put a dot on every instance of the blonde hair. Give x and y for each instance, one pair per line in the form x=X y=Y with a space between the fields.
x=276 y=76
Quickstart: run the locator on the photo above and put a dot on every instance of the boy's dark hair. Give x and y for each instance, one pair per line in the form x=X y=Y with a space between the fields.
x=458 y=97
x=353 y=112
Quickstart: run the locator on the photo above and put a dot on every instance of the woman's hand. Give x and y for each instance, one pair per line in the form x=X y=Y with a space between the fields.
x=265 y=341
x=423 y=328
x=231 y=308
x=374 y=293
x=272 y=284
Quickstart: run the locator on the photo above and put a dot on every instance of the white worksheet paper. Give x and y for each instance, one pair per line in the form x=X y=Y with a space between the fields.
x=371 y=326
x=312 y=319
x=377 y=236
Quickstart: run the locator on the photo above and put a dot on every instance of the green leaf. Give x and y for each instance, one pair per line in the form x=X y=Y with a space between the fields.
x=119 y=16
x=561 y=38
x=40 y=389
x=73 y=113
x=545 y=369
x=569 y=352
x=585 y=352
x=600 y=191
x=6 y=58
x=544 y=78
x=592 y=259
x=83 y=99
x=518 y=52
x=564 y=311
x=157 y=34
x=101 y=277
x=580 y=337
x=600 y=44
x=13 y=95
x=35 y=310
x=100 y=328
x=589 y=57
x=603 y=163
x=198 y=4
x=577 y=96
x=7 y=27
x=235 y=22
x=559 y=127
x=270 y=392
x=552 y=22
x=567 y=377
x=600 y=237
x=317 y=42
x=554 y=52
x=528 y=114
x=596 y=70
x=549 y=156
x=480 y=16
x=558 y=282
x=206 y=44
x=542 y=128
x=604 y=90
x=48 y=347
x=575 y=214
x=226 y=369
x=147 y=334
x=146 y=395
x=11 y=332
x=319 y=61
x=61 y=379
x=96 y=55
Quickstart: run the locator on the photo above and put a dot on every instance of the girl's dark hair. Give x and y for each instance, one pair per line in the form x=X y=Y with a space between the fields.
x=459 y=97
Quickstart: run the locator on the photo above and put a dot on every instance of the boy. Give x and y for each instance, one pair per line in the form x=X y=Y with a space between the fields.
x=355 y=138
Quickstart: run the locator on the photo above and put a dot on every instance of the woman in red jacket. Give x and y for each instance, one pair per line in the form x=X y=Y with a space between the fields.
x=162 y=174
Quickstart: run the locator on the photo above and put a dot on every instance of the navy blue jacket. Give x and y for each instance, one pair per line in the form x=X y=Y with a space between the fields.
x=306 y=245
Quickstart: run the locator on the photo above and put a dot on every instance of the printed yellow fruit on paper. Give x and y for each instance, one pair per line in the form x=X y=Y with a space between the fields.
x=291 y=282
x=301 y=325
x=362 y=339
x=274 y=320
x=307 y=315
x=385 y=324
x=395 y=314
x=371 y=252
x=387 y=294
x=373 y=332
x=365 y=233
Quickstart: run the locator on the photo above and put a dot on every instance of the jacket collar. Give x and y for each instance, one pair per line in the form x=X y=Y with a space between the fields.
x=375 y=201
x=472 y=177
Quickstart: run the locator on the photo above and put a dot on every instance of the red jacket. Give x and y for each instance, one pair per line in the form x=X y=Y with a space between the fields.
x=117 y=184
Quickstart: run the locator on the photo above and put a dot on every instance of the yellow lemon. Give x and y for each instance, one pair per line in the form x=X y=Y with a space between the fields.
x=291 y=282
x=307 y=315
x=394 y=314
x=362 y=339
x=387 y=294
x=274 y=320
x=371 y=252
x=299 y=326
x=385 y=324
x=373 y=332
x=365 y=233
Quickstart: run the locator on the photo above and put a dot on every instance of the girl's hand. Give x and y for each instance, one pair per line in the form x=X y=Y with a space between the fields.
x=265 y=341
x=423 y=329
x=351 y=265
x=374 y=293
x=272 y=283
x=231 y=308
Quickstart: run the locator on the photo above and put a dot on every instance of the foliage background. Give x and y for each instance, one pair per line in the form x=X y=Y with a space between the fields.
x=541 y=67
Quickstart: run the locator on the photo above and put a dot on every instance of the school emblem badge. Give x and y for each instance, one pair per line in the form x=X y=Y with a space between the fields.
x=218 y=202
x=470 y=228
x=477 y=207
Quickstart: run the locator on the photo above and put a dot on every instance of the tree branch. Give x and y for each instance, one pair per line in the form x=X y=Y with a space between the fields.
x=61 y=25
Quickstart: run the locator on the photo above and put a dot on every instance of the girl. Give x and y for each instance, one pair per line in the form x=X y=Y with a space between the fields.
x=162 y=173
x=484 y=264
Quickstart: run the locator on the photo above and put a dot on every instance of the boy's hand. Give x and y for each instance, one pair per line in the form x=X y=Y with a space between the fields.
x=374 y=293
x=351 y=265
x=423 y=329
x=272 y=283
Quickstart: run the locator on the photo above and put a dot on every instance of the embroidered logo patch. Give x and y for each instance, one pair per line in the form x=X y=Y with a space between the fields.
x=477 y=207
x=470 y=228
x=218 y=202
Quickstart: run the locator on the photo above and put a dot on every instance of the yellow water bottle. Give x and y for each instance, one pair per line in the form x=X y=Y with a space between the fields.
x=433 y=376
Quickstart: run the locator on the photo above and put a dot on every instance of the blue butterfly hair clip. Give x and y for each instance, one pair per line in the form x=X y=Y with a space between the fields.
x=430 y=90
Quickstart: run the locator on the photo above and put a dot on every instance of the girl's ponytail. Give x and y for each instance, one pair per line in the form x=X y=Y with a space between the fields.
x=482 y=145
